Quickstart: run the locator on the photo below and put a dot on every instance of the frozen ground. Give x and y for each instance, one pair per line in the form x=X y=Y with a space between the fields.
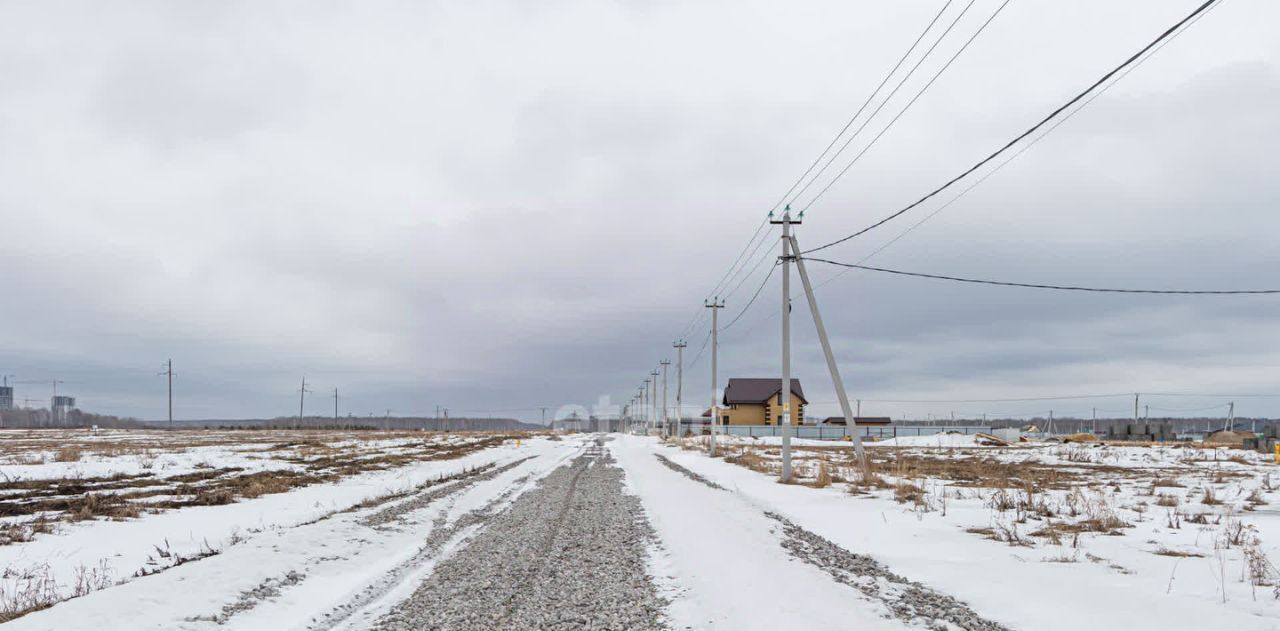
x=628 y=532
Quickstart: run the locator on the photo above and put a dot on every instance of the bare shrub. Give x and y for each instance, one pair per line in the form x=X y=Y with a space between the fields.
x=1209 y=498
x=1169 y=552
x=69 y=453
x=822 y=479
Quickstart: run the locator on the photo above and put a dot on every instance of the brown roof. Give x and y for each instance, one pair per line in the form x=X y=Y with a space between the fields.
x=742 y=390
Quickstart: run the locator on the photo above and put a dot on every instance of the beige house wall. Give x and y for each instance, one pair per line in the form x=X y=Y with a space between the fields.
x=754 y=414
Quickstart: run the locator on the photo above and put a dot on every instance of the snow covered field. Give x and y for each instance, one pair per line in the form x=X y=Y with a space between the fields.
x=1042 y=537
x=80 y=511
x=409 y=530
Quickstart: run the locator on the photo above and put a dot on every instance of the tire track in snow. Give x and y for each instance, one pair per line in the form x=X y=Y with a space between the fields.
x=569 y=554
x=906 y=600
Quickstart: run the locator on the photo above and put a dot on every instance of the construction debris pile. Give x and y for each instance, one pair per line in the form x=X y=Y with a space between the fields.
x=1142 y=432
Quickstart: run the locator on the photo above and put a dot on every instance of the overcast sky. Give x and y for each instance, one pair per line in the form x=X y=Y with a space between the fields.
x=498 y=206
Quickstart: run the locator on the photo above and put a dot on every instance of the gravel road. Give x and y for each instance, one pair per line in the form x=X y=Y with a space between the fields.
x=570 y=554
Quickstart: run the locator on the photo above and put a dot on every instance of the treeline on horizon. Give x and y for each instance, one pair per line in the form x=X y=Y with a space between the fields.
x=41 y=418
x=356 y=423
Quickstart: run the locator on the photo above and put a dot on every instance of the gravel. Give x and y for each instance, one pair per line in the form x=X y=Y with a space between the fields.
x=569 y=554
x=687 y=473
x=906 y=600
x=421 y=500
x=442 y=531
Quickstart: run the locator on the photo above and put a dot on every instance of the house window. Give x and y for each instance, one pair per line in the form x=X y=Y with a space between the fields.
x=724 y=420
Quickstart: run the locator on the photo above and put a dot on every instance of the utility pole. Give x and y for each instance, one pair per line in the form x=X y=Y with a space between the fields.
x=679 y=346
x=1050 y=428
x=335 y=408
x=1095 y=422
x=386 y=421
x=1146 y=411
x=302 y=400
x=1231 y=418
x=715 y=306
x=784 y=393
x=1135 y=408
x=836 y=380
x=640 y=390
x=646 y=402
x=53 y=410
x=653 y=408
x=666 y=417
x=544 y=415
x=168 y=372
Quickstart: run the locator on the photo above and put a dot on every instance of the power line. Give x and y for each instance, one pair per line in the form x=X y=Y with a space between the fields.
x=905 y=107
x=1203 y=409
x=753 y=298
x=758 y=260
x=1052 y=115
x=1184 y=292
x=1212 y=396
x=870 y=98
x=734 y=265
x=1007 y=400
x=1031 y=144
x=735 y=268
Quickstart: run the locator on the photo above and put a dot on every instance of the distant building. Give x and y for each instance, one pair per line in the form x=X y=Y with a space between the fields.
x=757 y=402
x=860 y=421
x=59 y=406
x=6 y=398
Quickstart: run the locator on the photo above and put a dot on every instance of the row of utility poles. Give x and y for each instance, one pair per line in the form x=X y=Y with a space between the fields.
x=791 y=254
x=303 y=391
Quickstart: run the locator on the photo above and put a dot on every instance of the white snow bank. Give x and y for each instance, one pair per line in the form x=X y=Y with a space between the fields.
x=934 y=440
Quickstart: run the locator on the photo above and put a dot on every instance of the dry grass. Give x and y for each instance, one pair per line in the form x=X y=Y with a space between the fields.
x=1209 y=498
x=325 y=457
x=822 y=478
x=1169 y=552
x=70 y=453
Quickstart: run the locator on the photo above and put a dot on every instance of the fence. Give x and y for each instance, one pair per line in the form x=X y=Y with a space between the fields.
x=832 y=432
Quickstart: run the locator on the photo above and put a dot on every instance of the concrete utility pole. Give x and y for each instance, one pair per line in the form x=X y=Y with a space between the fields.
x=784 y=394
x=168 y=372
x=1146 y=411
x=1095 y=422
x=648 y=401
x=640 y=411
x=836 y=380
x=666 y=417
x=715 y=306
x=302 y=399
x=653 y=407
x=679 y=346
x=1135 y=408
x=335 y=408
